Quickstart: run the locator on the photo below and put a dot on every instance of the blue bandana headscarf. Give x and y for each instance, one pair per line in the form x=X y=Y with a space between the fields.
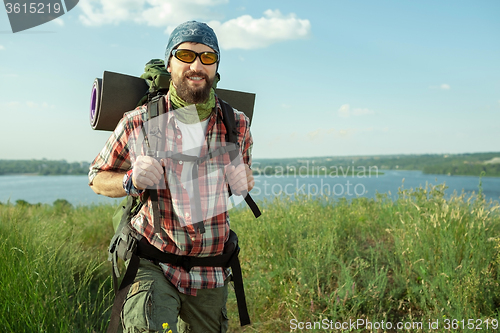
x=191 y=31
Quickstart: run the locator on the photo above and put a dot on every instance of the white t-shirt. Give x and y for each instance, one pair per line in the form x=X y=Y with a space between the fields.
x=193 y=138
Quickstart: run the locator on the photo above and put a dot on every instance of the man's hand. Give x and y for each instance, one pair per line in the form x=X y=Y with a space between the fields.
x=146 y=172
x=240 y=178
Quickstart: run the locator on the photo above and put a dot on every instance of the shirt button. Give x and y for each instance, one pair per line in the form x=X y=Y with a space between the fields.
x=187 y=215
x=178 y=136
x=193 y=238
x=180 y=162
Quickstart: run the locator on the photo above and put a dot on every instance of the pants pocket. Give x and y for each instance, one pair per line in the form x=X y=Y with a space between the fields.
x=138 y=308
x=224 y=321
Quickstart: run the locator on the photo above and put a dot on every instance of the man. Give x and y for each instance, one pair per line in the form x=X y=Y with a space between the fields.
x=194 y=300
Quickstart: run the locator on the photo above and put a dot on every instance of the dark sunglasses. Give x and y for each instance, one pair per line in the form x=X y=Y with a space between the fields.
x=188 y=56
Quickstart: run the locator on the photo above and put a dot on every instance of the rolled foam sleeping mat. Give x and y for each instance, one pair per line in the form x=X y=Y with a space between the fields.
x=116 y=93
x=112 y=96
x=242 y=101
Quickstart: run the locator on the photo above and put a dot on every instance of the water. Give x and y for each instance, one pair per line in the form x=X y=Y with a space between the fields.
x=368 y=185
x=47 y=189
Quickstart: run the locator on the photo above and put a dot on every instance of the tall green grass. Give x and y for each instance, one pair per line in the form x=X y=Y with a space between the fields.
x=420 y=257
x=423 y=256
x=51 y=268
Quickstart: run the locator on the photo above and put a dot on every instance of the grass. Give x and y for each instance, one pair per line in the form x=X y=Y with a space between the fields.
x=51 y=268
x=421 y=257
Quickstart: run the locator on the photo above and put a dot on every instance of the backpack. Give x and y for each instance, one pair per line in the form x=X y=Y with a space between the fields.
x=128 y=245
x=158 y=80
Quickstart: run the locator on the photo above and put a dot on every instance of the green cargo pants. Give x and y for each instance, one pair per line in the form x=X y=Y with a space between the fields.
x=152 y=301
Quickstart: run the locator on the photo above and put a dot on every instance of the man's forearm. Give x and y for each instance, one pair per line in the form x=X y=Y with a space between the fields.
x=109 y=183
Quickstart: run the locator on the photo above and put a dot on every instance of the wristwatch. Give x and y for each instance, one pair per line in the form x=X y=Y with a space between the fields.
x=128 y=185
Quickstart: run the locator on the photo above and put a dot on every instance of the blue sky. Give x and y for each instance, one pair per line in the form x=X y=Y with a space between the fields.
x=332 y=78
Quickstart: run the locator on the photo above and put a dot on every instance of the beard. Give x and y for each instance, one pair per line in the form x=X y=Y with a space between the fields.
x=193 y=95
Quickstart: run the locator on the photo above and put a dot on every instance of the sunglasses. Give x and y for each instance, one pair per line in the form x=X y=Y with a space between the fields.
x=188 y=56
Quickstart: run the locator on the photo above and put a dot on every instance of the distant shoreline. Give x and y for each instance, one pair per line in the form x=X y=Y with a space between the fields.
x=475 y=164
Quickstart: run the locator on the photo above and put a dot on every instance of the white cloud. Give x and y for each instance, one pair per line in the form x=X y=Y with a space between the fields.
x=349 y=132
x=345 y=111
x=244 y=32
x=343 y=133
x=320 y=135
x=443 y=86
x=97 y=12
x=157 y=13
x=43 y=105
x=59 y=22
x=362 y=112
x=2 y=47
x=317 y=134
x=13 y=104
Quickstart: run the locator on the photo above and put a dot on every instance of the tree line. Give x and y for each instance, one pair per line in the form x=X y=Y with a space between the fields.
x=43 y=167
x=473 y=164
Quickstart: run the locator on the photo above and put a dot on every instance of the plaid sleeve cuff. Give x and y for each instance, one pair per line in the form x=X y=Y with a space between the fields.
x=128 y=185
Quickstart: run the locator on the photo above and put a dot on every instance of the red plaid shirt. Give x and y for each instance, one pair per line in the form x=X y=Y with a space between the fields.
x=178 y=235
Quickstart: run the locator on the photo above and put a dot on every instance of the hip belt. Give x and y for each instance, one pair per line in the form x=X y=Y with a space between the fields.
x=129 y=245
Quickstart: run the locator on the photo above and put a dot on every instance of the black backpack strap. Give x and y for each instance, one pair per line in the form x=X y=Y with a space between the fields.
x=156 y=107
x=232 y=136
x=121 y=295
x=239 y=290
x=153 y=194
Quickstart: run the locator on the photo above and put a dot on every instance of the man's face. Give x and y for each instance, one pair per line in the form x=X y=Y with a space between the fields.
x=192 y=81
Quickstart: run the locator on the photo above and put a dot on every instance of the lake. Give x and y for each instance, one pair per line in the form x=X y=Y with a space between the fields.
x=47 y=189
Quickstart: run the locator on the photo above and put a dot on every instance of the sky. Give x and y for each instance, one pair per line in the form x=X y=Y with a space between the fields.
x=331 y=78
